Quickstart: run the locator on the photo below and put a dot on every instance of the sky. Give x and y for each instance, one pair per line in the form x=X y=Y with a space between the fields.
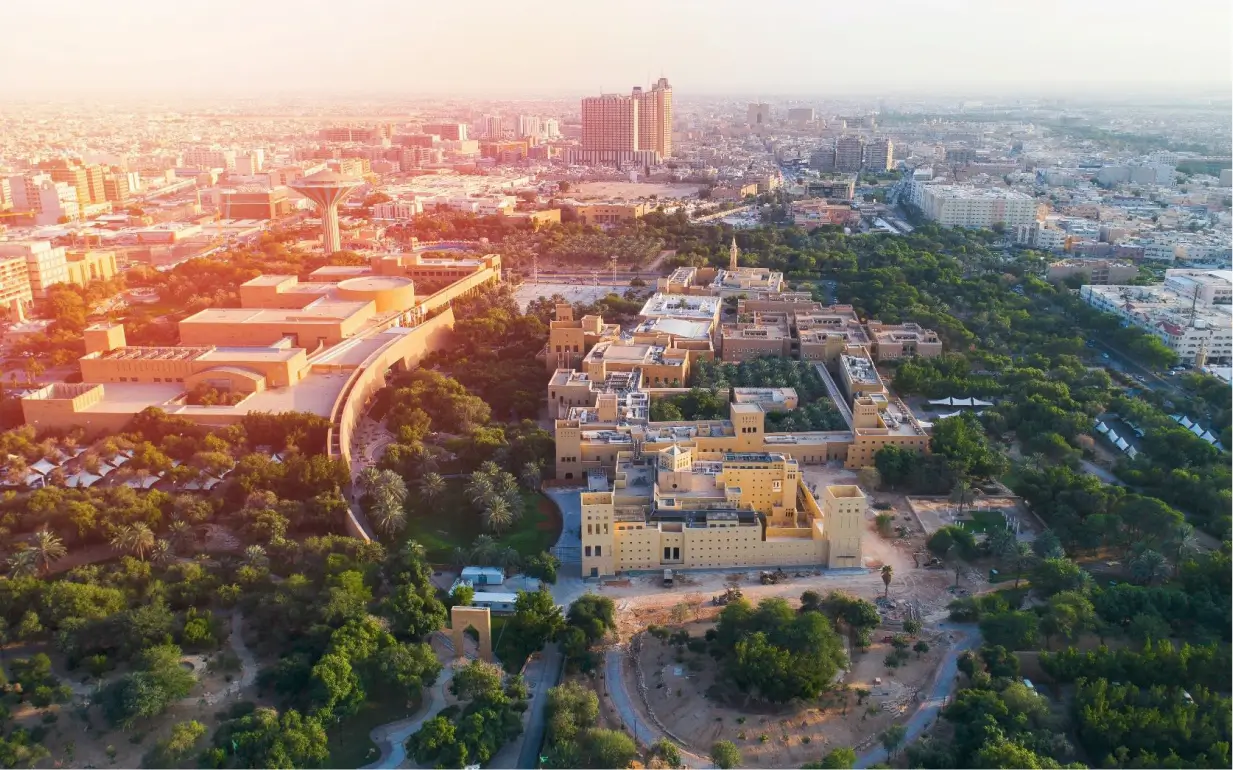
x=568 y=47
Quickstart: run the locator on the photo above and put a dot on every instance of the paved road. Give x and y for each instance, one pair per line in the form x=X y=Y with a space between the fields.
x=392 y=737
x=549 y=676
x=621 y=700
x=967 y=638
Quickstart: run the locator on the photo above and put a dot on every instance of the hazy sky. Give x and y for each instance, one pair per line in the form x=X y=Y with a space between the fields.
x=505 y=47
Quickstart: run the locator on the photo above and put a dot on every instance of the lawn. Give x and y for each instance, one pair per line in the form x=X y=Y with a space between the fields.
x=451 y=522
x=984 y=521
x=349 y=743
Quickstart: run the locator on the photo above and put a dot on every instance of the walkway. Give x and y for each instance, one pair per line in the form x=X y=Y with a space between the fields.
x=545 y=675
x=943 y=683
x=391 y=738
x=620 y=699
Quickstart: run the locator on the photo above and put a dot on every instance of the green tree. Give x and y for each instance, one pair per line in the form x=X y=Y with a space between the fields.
x=157 y=682
x=178 y=747
x=892 y=738
x=888 y=574
x=48 y=547
x=726 y=755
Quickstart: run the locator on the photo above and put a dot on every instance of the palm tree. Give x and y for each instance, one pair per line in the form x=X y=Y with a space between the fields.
x=531 y=476
x=432 y=486
x=162 y=552
x=255 y=557
x=484 y=549
x=1147 y=566
x=1022 y=557
x=367 y=479
x=888 y=573
x=388 y=516
x=137 y=539
x=460 y=557
x=23 y=563
x=480 y=490
x=962 y=494
x=180 y=534
x=47 y=547
x=507 y=559
x=1183 y=543
x=498 y=516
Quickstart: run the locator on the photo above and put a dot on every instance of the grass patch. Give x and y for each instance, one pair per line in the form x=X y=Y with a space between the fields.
x=349 y=743
x=451 y=522
x=984 y=521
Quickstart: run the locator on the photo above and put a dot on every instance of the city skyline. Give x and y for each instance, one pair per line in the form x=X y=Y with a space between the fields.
x=710 y=48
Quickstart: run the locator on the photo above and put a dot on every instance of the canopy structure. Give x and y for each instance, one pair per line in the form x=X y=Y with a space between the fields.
x=952 y=401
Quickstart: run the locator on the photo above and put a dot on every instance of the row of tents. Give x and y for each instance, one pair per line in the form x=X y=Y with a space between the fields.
x=1197 y=430
x=1116 y=440
x=952 y=401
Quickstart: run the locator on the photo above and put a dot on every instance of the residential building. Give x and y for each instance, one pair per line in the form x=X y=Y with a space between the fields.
x=530 y=126
x=839 y=188
x=1098 y=272
x=117 y=188
x=800 y=115
x=44 y=201
x=45 y=264
x=255 y=203
x=1191 y=313
x=85 y=267
x=87 y=180
x=850 y=153
x=758 y=117
x=209 y=158
x=15 y=293
x=616 y=126
x=976 y=207
x=816 y=212
x=494 y=127
x=879 y=155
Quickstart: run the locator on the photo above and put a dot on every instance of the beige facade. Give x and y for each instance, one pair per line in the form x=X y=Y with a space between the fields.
x=569 y=339
x=1096 y=272
x=611 y=213
x=85 y=267
x=15 y=293
x=678 y=509
x=755 y=335
x=894 y=341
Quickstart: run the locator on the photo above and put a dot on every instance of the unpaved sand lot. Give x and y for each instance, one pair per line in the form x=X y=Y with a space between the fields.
x=678 y=682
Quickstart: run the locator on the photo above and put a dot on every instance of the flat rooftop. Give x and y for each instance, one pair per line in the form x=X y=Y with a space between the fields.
x=682 y=306
x=324 y=309
x=860 y=369
x=692 y=330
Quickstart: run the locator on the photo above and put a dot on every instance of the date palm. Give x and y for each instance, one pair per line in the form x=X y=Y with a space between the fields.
x=180 y=535
x=432 y=486
x=47 y=547
x=1182 y=543
x=962 y=494
x=388 y=516
x=23 y=563
x=498 y=516
x=484 y=549
x=162 y=552
x=480 y=490
x=888 y=574
x=531 y=475
x=137 y=539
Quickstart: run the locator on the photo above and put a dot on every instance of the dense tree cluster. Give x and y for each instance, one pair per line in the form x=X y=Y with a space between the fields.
x=472 y=734
x=774 y=654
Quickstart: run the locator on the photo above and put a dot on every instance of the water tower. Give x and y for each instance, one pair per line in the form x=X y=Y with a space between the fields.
x=327 y=189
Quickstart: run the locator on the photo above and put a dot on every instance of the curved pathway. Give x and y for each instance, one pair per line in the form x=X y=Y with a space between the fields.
x=966 y=638
x=391 y=737
x=647 y=733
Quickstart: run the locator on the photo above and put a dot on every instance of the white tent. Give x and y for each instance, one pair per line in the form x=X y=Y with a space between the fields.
x=950 y=414
x=83 y=479
x=1102 y=428
x=941 y=401
x=1186 y=423
x=144 y=482
x=961 y=401
x=1208 y=437
x=1175 y=417
x=1122 y=445
x=43 y=467
x=1132 y=453
x=978 y=402
x=1196 y=430
x=1113 y=436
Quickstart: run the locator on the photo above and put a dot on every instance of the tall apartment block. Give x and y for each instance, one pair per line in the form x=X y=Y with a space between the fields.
x=615 y=126
x=758 y=116
x=451 y=132
x=879 y=155
x=849 y=153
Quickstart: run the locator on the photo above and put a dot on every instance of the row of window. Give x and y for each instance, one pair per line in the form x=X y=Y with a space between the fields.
x=156 y=379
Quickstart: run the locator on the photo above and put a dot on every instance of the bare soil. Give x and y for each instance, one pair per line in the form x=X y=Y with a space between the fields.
x=679 y=692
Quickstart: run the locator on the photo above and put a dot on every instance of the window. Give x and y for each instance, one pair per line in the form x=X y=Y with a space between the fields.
x=599 y=550
x=586 y=551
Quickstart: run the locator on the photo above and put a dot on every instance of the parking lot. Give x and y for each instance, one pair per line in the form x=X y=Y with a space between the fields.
x=528 y=291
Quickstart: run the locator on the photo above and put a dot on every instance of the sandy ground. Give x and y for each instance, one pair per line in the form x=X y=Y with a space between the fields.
x=572 y=292
x=677 y=685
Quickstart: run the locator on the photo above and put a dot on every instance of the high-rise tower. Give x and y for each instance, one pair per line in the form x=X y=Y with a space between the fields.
x=327 y=189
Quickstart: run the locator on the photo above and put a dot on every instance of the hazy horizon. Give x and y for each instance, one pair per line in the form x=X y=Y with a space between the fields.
x=775 y=48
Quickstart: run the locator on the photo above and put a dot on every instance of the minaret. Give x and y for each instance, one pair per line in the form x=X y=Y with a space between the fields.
x=733 y=255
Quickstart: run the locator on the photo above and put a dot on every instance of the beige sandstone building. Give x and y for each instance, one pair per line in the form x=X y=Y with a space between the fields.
x=680 y=508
